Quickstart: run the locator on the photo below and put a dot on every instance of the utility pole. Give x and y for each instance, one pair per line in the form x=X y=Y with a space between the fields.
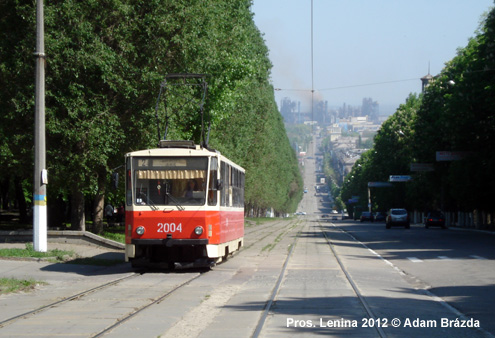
x=40 y=172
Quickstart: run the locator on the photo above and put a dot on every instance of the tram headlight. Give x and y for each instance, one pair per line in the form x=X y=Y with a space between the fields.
x=198 y=230
x=140 y=230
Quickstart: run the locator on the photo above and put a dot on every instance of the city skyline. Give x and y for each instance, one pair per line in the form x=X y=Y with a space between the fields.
x=362 y=49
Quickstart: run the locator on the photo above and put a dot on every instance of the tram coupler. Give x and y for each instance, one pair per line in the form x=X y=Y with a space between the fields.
x=198 y=263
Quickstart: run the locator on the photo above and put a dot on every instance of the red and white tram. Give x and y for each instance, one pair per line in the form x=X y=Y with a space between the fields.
x=184 y=206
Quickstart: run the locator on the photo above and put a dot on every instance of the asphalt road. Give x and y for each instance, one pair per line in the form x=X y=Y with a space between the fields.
x=454 y=264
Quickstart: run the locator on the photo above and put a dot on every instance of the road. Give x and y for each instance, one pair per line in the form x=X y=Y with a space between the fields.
x=302 y=276
x=454 y=264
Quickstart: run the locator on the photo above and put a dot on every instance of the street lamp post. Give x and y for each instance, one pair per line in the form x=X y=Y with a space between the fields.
x=40 y=172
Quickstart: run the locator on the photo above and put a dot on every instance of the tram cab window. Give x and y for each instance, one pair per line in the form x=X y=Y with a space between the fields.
x=128 y=185
x=170 y=180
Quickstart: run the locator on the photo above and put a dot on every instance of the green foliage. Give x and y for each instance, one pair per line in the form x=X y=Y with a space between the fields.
x=300 y=135
x=105 y=62
x=391 y=155
x=456 y=113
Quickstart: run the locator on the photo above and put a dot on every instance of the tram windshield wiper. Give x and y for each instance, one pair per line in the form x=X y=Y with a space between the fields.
x=173 y=199
x=149 y=201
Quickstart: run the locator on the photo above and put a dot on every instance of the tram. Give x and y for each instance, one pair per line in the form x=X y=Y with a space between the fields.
x=184 y=206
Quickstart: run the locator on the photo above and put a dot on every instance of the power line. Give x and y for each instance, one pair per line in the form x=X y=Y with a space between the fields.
x=369 y=84
x=344 y=87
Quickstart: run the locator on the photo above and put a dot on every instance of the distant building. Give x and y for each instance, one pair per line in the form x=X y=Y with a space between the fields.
x=425 y=81
x=371 y=109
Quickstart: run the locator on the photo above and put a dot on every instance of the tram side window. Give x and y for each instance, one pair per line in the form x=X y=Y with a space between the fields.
x=212 y=189
x=238 y=187
x=242 y=189
x=224 y=195
x=235 y=189
x=232 y=193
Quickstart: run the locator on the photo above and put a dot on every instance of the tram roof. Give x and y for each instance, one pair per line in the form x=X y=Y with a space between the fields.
x=180 y=151
x=198 y=151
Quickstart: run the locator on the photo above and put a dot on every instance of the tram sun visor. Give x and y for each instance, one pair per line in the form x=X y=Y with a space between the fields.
x=169 y=174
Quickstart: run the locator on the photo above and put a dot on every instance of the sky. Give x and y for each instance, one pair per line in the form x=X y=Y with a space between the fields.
x=375 y=49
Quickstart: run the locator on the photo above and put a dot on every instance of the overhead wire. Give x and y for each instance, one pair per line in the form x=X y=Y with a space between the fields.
x=345 y=87
x=312 y=77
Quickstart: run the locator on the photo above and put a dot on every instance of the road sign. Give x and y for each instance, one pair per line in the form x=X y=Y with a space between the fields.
x=450 y=155
x=400 y=178
x=379 y=184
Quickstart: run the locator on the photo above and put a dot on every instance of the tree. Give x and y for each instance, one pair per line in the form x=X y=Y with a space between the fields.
x=105 y=63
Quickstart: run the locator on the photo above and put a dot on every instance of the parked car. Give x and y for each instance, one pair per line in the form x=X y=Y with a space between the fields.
x=380 y=216
x=366 y=216
x=397 y=217
x=435 y=218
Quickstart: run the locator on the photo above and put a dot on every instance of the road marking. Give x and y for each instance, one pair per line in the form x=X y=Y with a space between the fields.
x=445 y=258
x=478 y=257
x=415 y=259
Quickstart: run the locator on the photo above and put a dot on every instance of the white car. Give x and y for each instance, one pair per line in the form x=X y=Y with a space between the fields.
x=397 y=217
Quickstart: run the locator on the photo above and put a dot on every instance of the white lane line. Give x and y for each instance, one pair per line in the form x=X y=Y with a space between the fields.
x=478 y=257
x=445 y=258
x=426 y=291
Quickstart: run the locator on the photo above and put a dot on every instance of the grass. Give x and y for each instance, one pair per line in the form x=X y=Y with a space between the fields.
x=271 y=246
x=115 y=235
x=56 y=254
x=260 y=220
x=9 y=285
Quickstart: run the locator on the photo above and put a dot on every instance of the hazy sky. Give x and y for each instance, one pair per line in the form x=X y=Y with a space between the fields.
x=361 y=42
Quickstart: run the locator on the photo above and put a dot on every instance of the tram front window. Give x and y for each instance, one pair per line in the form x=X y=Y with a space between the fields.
x=177 y=181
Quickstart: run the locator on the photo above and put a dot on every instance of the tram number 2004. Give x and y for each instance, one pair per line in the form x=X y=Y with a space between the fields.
x=169 y=227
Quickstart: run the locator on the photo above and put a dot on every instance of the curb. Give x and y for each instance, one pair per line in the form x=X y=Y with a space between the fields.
x=62 y=236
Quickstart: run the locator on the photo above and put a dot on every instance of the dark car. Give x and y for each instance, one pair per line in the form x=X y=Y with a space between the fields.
x=366 y=216
x=397 y=217
x=435 y=218
x=380 y=216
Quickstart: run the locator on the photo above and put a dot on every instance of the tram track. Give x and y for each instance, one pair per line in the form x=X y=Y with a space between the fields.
x=58 y=306
x=48 y=306
x=283 y=272
x=157 y=300
x=353 y=284
x=275 y=290
x=270 y=230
